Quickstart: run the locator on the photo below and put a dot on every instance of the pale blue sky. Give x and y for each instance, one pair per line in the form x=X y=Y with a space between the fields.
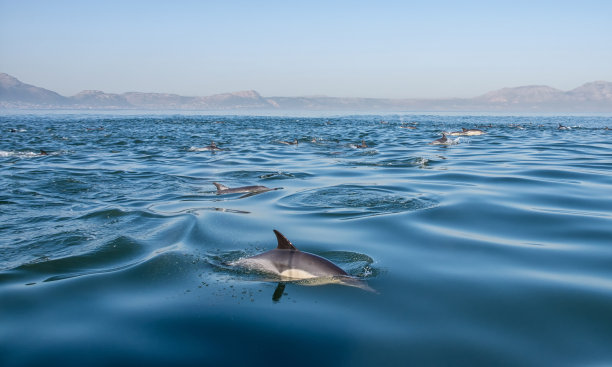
x=289 y=48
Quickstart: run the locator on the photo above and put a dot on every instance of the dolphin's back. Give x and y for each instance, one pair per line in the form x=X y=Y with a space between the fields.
x=293 y=264
x=222 y=189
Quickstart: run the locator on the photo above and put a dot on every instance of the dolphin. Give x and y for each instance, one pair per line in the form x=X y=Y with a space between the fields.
x=291 y=264
x=362 y=145
x=212 y=147
x=222 y=189
x=563 y=127
x=442 y=141
x=468 y=132
x=294 y=142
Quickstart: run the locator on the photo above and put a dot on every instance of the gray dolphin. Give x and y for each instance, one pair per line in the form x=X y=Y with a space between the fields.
x=294 y=142
x=443 y=140
x=456 y=133
x=563 y=127
x=222 y=189
x=212 y=147
x=291 y=264
x=468 y=132
x=359 y=146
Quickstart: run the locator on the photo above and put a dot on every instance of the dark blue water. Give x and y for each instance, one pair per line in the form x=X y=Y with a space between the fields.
x=495 y=250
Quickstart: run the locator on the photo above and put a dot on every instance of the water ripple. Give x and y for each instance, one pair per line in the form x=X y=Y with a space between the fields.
x=354 y=201
x=479 y=251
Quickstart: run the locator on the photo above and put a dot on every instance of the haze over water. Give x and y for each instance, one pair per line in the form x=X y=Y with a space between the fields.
x=494 y=250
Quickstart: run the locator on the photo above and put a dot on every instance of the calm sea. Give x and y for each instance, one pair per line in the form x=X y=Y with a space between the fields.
x=495 y=250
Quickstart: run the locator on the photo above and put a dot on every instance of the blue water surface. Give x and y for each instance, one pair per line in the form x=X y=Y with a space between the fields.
x=492 y=250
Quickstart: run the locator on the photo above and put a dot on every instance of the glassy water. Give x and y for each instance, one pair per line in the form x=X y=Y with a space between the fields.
x=491 y=250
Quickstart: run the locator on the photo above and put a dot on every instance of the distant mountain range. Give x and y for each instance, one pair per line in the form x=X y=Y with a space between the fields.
x=590 y=97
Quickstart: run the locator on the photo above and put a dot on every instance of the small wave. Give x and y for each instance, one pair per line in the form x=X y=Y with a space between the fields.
x=120 y=253
x=248 y=175
x=7 y=154
x=116 y=213
x=198 y=149
x=354 y=263
x=171 y=209
x=421 y=162
x=352 y=201
x=279 y=175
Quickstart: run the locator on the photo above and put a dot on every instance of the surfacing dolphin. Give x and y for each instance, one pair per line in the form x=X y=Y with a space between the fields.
x=291 y=264
x=294 y=142
x=359 y=146
x=442 y=141
x=467 y=132
x=470 y=132
x=212 y=148
x=249 y=190
x=563 y=127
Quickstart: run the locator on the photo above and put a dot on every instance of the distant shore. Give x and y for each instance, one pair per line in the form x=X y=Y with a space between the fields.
x=593 y=97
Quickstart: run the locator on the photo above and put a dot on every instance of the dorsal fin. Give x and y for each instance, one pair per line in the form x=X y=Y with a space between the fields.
x=283 y=242
x=464 y=129
x=220 y=187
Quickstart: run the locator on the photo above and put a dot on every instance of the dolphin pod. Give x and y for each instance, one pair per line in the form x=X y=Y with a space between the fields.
x=291 y=264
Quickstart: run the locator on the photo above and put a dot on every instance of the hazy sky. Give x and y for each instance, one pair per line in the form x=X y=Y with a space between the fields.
x=290 y=48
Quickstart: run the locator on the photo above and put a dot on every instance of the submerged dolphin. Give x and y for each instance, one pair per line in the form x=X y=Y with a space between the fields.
x=359 y=146
x=291 y=264
x=222 y=189
x=212 y=147
x=294 y=142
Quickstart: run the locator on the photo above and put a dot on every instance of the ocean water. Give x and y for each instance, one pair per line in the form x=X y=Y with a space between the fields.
x=495 y=250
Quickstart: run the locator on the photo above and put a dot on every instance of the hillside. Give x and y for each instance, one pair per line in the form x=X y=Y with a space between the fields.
x=590 y=97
